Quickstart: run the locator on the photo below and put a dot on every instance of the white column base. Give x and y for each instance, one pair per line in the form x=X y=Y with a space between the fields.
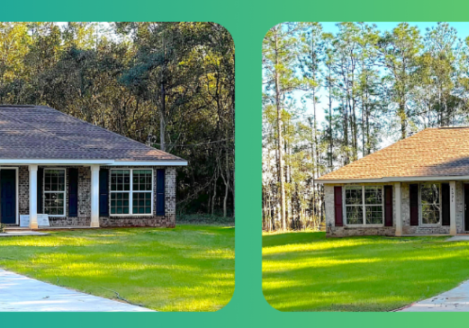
x=398 y=202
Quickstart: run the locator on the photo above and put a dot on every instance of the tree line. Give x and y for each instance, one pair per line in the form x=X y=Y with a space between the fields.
x=330 y=98
x=170 y=85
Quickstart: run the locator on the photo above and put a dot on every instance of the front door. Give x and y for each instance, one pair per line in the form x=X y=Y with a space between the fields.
x=8 y=196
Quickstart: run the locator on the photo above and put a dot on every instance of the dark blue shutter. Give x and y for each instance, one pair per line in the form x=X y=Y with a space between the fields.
x=73 y=192
x=40 y=183
x=160 y=210
x=103 y=192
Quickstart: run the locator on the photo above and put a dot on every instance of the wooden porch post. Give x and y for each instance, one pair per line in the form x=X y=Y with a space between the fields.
x=33 y=196
x=95 y=196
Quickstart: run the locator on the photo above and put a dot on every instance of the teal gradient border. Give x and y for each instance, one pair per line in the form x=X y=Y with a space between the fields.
x=248 y=21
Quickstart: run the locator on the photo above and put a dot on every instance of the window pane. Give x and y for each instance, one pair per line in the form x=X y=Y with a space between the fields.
x=373 y=195
x=430 y=217
x=430 y=203
x=120 y=180
x=354 y=214
x=120 y=203
x=140 y=199
x=353 y=195
x=142 y=180
x=54 y=180
x=374 y=215
x=54 y=203
x=430 y=194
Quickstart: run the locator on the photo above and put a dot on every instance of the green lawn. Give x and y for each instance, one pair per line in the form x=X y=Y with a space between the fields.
x=189 y=268
x=304 y=271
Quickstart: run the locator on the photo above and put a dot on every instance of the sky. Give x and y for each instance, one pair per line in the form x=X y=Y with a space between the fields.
x=461 y=27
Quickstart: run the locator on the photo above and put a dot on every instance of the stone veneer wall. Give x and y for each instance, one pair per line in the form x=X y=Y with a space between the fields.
x=23 y=190
x=84 y=202
x=407 y=229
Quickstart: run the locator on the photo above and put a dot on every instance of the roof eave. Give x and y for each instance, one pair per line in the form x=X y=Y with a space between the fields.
x=395 y=179
x=150 y=163
x=107 y=162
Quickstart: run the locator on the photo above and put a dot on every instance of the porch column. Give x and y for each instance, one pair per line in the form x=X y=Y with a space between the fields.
x=452 y=208
x=95 y=196
x=397 y=188
x=33 y=196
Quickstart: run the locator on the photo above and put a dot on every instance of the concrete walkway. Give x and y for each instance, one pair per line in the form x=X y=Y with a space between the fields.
x=22 y=233
x=454 y=300
x=22 y=294
x=459 y=238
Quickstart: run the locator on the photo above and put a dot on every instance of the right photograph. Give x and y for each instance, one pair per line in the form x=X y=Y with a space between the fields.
x=365 y=195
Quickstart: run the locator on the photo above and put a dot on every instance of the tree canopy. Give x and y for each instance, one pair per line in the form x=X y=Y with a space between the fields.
x=170 y=85
x=330 y=98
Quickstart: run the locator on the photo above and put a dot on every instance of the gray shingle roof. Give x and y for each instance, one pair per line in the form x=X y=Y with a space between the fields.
x=40 y=132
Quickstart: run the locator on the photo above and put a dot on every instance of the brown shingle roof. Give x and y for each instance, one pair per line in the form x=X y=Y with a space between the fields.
x=433 y=152
x=40 y=132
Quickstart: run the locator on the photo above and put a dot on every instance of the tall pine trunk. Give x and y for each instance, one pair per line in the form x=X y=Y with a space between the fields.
x=280 y=142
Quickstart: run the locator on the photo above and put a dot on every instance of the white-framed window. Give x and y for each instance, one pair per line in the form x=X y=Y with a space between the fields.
x=131 y=192
x=54 y=192
x=430 y=203
x=364 y=205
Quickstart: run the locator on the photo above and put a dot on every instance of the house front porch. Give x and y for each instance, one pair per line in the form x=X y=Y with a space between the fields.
x=91 y=194
x=404 y=208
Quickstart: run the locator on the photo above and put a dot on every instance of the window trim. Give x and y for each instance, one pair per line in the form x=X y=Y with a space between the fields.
x=420 y=206
x=44 y=192
x=363 y=205
x=131 y=192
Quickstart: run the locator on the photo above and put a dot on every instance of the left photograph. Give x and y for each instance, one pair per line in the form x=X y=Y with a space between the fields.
x=116 y=166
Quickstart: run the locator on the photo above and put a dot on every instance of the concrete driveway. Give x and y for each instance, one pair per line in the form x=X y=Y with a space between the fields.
x=454 y=300
x=23 y=294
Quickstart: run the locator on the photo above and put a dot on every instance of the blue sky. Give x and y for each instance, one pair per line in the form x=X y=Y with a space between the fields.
x=461 y=27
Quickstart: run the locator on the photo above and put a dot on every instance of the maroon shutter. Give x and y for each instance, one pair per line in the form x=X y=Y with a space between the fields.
x=339 y=221
x=414 y=204
x=388 y=206
x=445 y=204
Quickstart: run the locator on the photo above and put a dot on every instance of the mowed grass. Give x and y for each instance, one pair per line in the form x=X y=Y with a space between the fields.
x=304 y=271
x=189 y=268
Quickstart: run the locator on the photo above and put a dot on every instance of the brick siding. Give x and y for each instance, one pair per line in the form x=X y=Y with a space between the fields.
x=84 y=201
x=407 y=229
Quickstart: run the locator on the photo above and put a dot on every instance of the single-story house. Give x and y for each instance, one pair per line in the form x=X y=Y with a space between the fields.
x=417 y=186
x=80 y=174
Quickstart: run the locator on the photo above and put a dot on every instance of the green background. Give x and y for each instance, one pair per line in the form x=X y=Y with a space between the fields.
x=247 y=21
